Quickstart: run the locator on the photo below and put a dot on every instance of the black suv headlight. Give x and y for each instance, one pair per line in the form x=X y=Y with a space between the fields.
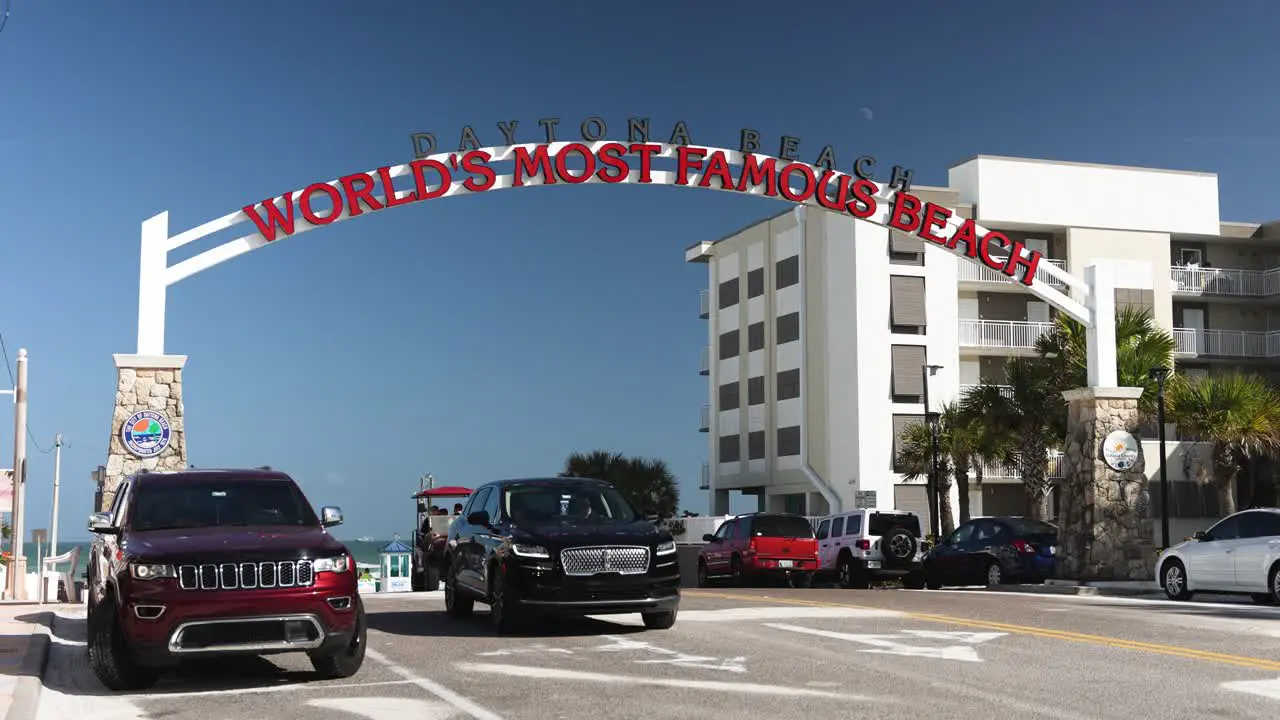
x=665 y=547
x=530 y=551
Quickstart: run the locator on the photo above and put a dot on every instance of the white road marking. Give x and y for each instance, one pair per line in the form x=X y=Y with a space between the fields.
x=531 y=650
x=283 y=687
x=433 y=595
x=889 y=645
x=673 y=657
x=1269 y=689
x=464 y=704
x=385 y=708
x=768 y=612
x=741 y=688
x=1119 y=600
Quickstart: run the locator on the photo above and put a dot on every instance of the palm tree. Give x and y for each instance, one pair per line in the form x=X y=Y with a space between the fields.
x=1030 y=414
x=646 y=482
x=1141 y=344
x=915 y=455
x=973 y=443
x=1238 y=414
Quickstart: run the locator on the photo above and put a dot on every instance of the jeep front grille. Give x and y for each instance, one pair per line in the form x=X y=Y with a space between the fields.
x=612 y=559
x=246 y=576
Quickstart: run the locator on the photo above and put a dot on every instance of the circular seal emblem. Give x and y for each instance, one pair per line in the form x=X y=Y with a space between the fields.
x=1120 y=451
x=145 y=433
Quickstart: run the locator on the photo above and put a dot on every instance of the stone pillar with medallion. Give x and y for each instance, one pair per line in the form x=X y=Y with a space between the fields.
x=1104 y=524
x=147 y=425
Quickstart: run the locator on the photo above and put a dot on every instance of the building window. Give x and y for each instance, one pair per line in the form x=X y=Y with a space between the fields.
x=730 y=448
x=730 y=397
x=755 y=336
x=900 y=425
x=755 y=445
x=755 y=283
x=729 y=345
x=788 y=328
x=755 y=391
x=906 y=301
x=789 y=441
x=728 y=293
x=788 y=384
x=905 y=249
x=908 y=373
x=787 y=272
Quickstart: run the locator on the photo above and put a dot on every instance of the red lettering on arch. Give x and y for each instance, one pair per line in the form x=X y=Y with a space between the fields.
x=863 y=203
x=275 y=217
x=905 y=213
x=1030 y=263
x=362 y=194
x=717 y=167
x=984 y=249
x=309 y=213
x=755 y=174
x=935 y=218
x=537 y=163
x=610 y=156
x=687 y=158
x=965 y=234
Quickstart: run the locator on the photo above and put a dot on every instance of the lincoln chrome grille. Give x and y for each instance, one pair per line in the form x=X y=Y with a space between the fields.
x=595 y=560
x=246 y=576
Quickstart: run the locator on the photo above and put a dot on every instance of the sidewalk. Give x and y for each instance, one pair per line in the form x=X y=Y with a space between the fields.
x=24 y=647
x=1108 y=588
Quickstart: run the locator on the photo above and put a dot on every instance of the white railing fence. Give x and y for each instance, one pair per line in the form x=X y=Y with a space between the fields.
x=1010 y=334
x=1224 y=281
x=973 y=272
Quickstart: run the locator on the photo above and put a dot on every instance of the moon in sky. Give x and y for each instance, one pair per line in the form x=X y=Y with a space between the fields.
x=866 y=111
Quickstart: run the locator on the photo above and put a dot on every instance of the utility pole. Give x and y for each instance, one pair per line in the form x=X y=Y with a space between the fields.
x=17 y=589
x=53 y=522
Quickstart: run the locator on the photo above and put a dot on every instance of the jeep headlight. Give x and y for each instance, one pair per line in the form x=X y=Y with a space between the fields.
x=666 y=547
x=150 y=571
x=338 y=564
x=530 y=551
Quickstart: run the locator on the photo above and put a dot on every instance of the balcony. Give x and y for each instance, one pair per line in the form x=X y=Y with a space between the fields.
x=706 y=477
x=705 y=425
x=998 y=471
x=704 y=304
x=1225 y=282
x=1256 y=344
x=970 y=272
x=1005 y=390
x=704 y=361
x=1001 y=334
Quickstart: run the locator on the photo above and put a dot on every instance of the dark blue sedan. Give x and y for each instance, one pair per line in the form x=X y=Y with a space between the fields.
x=993 y=551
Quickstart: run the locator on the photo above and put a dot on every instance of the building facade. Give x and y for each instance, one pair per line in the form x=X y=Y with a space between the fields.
x=826 y=334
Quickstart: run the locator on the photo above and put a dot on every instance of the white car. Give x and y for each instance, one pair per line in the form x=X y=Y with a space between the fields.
x=1239 y=555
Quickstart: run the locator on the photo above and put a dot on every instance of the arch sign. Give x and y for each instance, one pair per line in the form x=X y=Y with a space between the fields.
x=472 y=169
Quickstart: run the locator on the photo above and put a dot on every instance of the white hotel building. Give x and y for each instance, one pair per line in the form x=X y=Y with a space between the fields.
x=820 y=325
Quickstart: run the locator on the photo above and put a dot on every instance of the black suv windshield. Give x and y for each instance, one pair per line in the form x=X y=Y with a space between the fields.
x=186 y=504
x=784 y=526
x=536 y=504
x=881 y=523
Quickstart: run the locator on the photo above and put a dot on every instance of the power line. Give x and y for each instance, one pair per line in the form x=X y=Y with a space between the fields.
x=4 y=19
x=5 y=350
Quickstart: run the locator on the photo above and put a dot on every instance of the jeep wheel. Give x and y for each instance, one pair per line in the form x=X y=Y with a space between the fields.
x=800 y=580
x=455 y=603
x=109 y=654
x=504 y=607
x=898 y=547
x=346 y=661
x=851 y=576
x=659 y=620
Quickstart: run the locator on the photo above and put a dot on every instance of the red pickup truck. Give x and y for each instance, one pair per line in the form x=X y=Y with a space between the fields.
x=218 y=562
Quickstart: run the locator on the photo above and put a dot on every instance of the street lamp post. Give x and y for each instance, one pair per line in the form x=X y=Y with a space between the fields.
x=1159 y=374
x=931 y=418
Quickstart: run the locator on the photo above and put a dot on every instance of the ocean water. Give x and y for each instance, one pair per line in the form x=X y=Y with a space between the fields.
x=363 y=552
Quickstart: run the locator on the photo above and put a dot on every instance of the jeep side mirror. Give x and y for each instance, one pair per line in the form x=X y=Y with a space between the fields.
x=708 y=538
x=1201 y=536
x=330 y=516
x=102 y=523
x=479 y=518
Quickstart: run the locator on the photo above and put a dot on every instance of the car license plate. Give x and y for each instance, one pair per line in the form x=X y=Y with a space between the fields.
x=873 y=564
x=786 y=563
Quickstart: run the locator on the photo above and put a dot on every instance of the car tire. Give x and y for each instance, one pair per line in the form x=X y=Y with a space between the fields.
x=1273 y=582
x=933 y=585
x=504 y=608
x=704 y=577
x=109 y=655
x=659 y=620
x=418 y=580
x=994 y=574
x=1173 y=578
x=736 y=572
x=455 y=603
x=898 y=547
x=432 y=579
x=850 y=576
x=914 y=581
x=345 y=662
x=800 y=580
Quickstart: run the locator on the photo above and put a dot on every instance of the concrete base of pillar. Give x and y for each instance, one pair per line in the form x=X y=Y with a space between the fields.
x=144 y=382
x=1103 y=519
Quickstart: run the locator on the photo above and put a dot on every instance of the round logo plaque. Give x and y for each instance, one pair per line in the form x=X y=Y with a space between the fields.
x=145 y=433
x=1120 y=451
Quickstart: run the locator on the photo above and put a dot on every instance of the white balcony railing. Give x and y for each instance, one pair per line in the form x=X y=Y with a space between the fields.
x=704 y=361
x=705 y=424
x=1005 y=390
x=1227 y=343
x=1008 y=334
x=706 y=477
x=975 y=272
x=998 y=471
x=1184 y=342
x=1224 y=281
x=704 y=304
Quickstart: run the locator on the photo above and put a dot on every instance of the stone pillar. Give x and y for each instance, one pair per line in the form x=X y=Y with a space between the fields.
x=145 y=383
x=1103 y=516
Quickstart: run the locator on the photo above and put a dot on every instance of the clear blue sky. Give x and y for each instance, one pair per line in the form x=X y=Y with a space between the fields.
x=489 y=336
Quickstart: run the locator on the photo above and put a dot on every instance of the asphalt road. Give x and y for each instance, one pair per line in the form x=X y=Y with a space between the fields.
x=773 y=653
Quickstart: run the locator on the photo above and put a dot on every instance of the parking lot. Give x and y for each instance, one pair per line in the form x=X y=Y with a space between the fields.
x=759 y=652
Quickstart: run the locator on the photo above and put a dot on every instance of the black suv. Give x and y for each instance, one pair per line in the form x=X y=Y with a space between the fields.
x=567 y=546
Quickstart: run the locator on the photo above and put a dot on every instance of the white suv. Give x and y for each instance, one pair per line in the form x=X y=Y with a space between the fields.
x=864 y=545
x=1239 y=555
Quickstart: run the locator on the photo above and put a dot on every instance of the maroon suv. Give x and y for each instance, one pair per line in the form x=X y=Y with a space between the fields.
x=218 y=562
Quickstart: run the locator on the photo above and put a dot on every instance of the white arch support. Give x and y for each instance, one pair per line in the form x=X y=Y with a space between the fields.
x=156 y=275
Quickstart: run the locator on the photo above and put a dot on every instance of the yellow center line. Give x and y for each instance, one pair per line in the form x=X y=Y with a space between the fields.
x=1102 y=640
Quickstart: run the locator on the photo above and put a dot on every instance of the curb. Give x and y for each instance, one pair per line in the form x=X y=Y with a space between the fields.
x=26 y=693
x=1060 y=587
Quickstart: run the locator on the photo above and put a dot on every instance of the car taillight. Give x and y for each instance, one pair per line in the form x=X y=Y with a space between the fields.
x=863 y=544
x=751 y=546
x=1022 y=546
